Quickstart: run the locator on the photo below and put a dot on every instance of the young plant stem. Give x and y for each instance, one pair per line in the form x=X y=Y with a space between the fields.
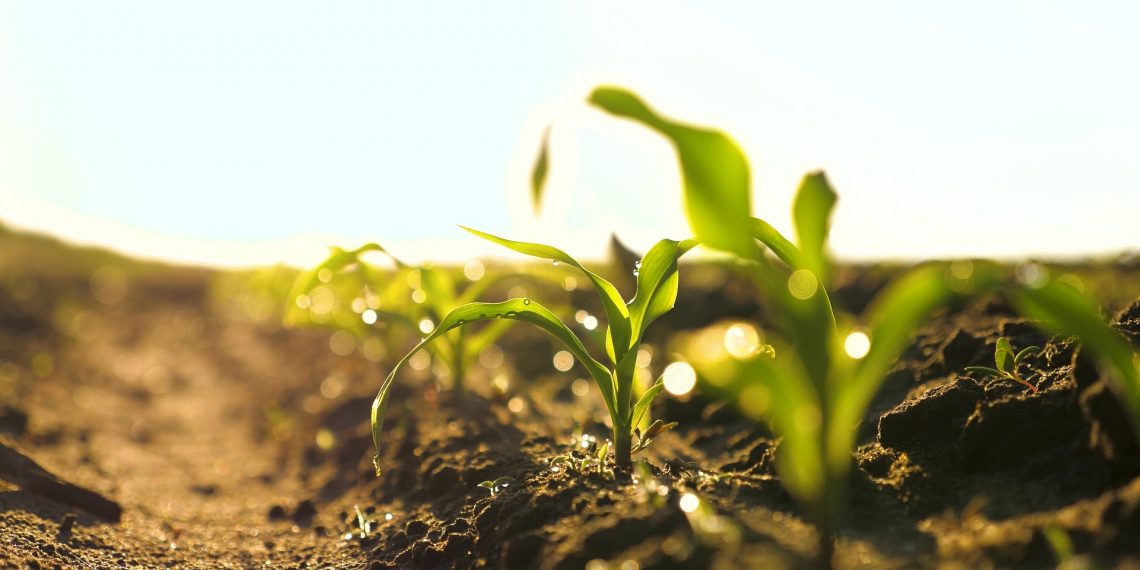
x=826 y=548
x=832 y=508
x=623 y=442
x=458 y=369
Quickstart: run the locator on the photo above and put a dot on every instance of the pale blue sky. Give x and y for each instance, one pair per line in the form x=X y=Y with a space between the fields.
x=240 y=131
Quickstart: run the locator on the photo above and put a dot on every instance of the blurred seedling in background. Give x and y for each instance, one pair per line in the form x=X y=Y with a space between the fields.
x=1063 y=551
x=656 y=293
x=384 y=307
x=497 y=485
x=1007 y=364
x=363 y=525
x=813 y=384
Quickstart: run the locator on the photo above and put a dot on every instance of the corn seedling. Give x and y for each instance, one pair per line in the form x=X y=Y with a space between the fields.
x=626 y=323
x=380 y=298
x=814 y=382
x=1007 y=363
x=497 y=485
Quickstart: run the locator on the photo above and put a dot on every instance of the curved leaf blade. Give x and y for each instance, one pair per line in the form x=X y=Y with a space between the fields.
x=715 y=173
x=517 y=309
x=657 y=283
x=893 y=316
x=811 y=211
x=617 y=315
x=337 y=260
x=538 y=173
x=1003 y=355
x=643 y=403
x=784 y=249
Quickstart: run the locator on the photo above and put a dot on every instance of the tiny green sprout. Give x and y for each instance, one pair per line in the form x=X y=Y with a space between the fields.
x=497 y=485
x=657 y=283
x=585 y=456
x=603 y=450
x=363 y=523
x=1007 y=363
x=1064 y=551
x=655 y=429
x=560 y=462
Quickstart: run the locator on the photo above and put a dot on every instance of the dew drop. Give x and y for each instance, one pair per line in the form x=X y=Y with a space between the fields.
x=526 y=301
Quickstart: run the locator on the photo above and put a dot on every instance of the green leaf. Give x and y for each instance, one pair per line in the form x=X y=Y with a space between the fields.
x=794 y=410
x=602 y=451
x=892 y=317
x=337 y=260
x=984 y=370
x=1027 y=351
x=1065 y=310
x=784 y=249
x=623 y=384
x=715 y=173
x=439 y=289
x=1003 y=355
x=657 y=428
x=517 y=309
x=812 y=209
x=643 y=403
x=487 y=484
x=656 y=285
x=538 y=174
x=617 y=315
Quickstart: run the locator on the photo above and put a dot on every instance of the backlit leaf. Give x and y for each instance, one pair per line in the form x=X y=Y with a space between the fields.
x=617 y=315
x=811 y=211
x=538 y=173
x=715 y=174
x=517 y=309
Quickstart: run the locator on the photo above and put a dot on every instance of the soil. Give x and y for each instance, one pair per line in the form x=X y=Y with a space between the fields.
x=149 y=419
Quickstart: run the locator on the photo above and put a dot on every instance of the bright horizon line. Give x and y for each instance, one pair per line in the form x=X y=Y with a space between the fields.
x=308 y=249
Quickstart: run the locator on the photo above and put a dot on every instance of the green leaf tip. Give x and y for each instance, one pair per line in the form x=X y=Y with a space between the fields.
x=716 y=179
x=811 y=210
x=538 y=173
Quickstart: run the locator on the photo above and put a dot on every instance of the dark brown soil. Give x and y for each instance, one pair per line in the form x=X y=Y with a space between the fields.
x=230 y=442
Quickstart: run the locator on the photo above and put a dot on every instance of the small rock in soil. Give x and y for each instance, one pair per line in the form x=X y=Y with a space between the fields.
x=304 y=513
x=65 y=527
x=13 y=421
x=277 y=513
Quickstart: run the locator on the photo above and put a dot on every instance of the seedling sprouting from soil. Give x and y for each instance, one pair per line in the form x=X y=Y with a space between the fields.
x=588 y=456
x=363 y=523
x=497 y=485
x=815 y=388
x=655 y=429
x=381 y=297
x=1007 y=363
x=626 y=323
